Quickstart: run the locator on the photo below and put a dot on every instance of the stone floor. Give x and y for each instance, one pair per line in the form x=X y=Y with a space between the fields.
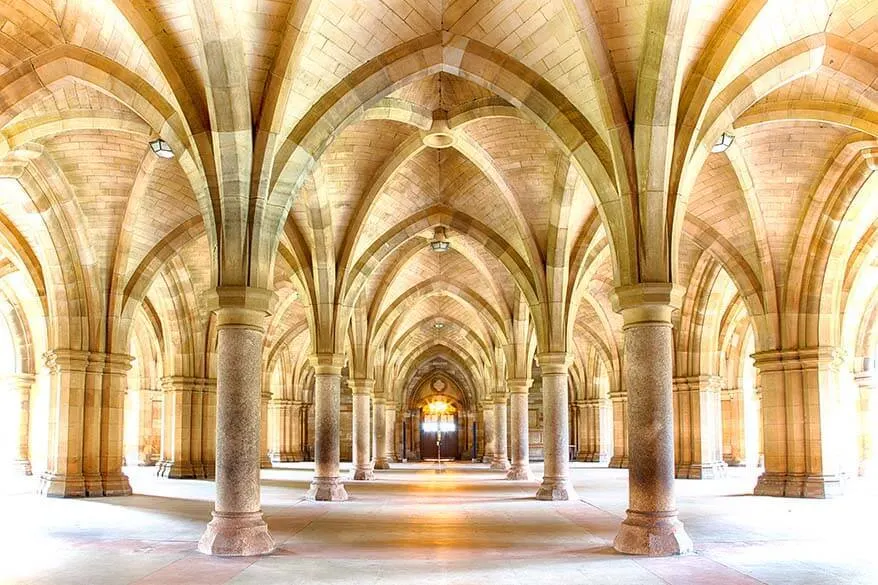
x=413 y=525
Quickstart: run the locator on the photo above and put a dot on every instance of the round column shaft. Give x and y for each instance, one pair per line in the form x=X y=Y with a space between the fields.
x=362 y=467
x=500 y=460
x=327 y=485
x=237 y=528
x=379 y=428
x=520 y=436
x=556 y=434
x=651 y=526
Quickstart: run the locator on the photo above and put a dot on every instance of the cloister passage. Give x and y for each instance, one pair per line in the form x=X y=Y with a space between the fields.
x=467 y=525
x=317 y=243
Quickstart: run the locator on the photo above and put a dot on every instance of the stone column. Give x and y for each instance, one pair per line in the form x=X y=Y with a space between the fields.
x=389 y=429
x=208 y=426
x=698 y=426
x=264 y=459
x=866 y=384
x=297 y=439
x=488 y=430
x=283 y=449
x=556 y=435
x=176 y=462
x=379 y=433
x=733 y=427
x=605 y=430
x=500 y=460
x=64 y=474
x=361 y=390
x=520 y=436
x=114 y=384
x=582 y=432
x=800 y=394
x=619 y=401
x=651 y=526
x=327 y=485
x=19 y=386
x=238 y=528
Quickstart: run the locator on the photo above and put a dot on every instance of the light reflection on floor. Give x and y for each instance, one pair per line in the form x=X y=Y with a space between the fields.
x=413 y=525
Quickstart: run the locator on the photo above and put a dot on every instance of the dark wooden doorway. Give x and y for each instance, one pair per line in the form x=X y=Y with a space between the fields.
x=429 y=450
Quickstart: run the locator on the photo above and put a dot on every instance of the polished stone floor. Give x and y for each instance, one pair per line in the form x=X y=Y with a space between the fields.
x=412 y=525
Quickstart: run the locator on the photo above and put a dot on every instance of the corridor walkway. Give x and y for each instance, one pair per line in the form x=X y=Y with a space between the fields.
x=467 y=525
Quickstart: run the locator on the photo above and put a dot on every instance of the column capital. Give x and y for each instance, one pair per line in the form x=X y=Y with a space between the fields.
x=799 y=358
x=647 y=303
x=390 y=405
x=240 y=306
x=361 y=385
x=19 y=382
x=66 y=359
x=327 y=364
x=379 y=399
x=557 y=362
x=487 y=403
x=519 y=385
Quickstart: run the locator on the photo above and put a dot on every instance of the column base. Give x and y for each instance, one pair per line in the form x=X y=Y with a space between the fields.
x=798 y=486
x=556 y=489
x=265 y=462
x=617 y=462
x=715 y=470
x=381 y=464
x=21 y=467
x=94 y=485
x=236 y=535
x=327 y=489
x=362 y=473
x=116 y=485
x=655 y=534
x=520 y=472
x=53 y=485
x=175 y=470
x=209 y=470
x=500 y=464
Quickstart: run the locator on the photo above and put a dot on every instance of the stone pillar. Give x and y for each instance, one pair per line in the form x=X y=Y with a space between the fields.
x=64 y=474
x=237 y=527
x=284 y=448
x=519 y=435
x=800 y=394
x=651 y=526
x=114 y=384
x=581 y=430
x=866 y=384
x=733 y=427
x=297 y=437
x=379 y=432
x=19 y=386
x=264 y=458
x=500 y=460
x=605 y=430
x=361 y=390
x=176 y=462
x=556 y=435
x=389 y=429
x=698 y=427
x=208 y=426
x=488 y=430
x=619 y=401
x=327 y=485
